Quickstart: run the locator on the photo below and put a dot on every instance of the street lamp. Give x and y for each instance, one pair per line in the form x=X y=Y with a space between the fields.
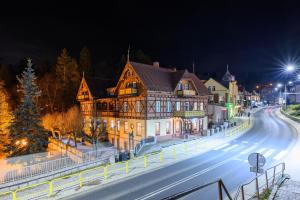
x=290 y=68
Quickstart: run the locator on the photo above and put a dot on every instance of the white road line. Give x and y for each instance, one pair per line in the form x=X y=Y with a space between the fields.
x=222 y=146
x=261 y=150
x=280 y=155
x=245 y=142
x=167 y=187
x=247 y=150
x=229 y=148
x=269 y=153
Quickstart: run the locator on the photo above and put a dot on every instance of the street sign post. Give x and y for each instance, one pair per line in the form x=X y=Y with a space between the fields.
x=257 y=161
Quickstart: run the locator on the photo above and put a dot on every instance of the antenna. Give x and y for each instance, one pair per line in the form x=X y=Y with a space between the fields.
x=128 y=53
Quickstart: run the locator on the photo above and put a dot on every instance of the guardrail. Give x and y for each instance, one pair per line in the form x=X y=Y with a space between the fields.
x=106 y=172
x=219 y=182
x=260 y=185
x=48 y=167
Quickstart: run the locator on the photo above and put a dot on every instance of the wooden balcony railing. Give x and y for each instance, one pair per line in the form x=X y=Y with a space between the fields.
x=187 y=114
x=128 y=91
x=186 y=92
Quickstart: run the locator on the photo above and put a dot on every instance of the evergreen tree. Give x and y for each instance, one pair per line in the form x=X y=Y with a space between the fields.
x=26 y=132
x=5 y=120
x=85 y=61
x=67 y=75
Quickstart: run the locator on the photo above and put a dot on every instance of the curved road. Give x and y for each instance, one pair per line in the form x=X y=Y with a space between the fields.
x=269 y=135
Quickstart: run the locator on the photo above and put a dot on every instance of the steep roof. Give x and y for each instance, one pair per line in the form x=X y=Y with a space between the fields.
x=165 y=79
x=98 y=86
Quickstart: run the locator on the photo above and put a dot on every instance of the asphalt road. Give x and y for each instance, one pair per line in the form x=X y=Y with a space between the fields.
x=269 y=135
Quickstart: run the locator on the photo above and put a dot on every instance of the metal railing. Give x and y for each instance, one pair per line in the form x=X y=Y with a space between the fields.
x=48 y=167
x=219 y=182
x=257 y=187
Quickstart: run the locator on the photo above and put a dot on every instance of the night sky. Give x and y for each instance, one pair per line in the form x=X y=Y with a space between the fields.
x=252 y=37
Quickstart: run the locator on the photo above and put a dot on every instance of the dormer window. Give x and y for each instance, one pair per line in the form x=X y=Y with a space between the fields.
x=186 y=86
x=180 y=86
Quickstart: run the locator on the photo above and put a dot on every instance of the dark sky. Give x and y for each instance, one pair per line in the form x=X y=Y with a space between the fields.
x=252 y=37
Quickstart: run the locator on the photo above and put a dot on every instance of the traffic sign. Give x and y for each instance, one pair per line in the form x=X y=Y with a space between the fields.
x=255 y=170
x=256 y=160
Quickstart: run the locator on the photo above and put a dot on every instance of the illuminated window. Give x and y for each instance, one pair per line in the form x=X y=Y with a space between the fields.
x=180 y=86
x=168 y=106
x=157 y=128
x=125 y=126
x=177 y=126
x=138 y=129
x=118 y=125
x=178 y=105
x=112 y=124
x=168 y=127
x=201 y=106
x=186 y=106
x=138 y=106
x=157 y=106
x=125 y=106
x=195 y=106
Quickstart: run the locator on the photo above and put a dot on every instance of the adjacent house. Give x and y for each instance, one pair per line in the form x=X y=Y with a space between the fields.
x=224 y=98
x=147 y=102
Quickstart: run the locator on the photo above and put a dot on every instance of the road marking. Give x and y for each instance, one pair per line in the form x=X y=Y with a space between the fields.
x=167 y=187
x=229 y=148
x=245 y=142
x=261 y=150
x=269 y=153
x=247 y=150
x=280 y=155
x=222 y=146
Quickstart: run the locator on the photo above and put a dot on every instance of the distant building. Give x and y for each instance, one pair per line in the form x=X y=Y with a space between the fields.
x=147 y=102
x=268 y=95
x=224 y=99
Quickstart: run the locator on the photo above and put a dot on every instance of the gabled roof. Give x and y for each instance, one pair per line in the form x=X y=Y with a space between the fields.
x=217 y=82
x=98 y=86
x=165 y=79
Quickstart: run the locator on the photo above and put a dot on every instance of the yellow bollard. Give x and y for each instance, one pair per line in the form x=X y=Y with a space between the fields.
x=161 y=157
x=80 y=180
x=145 y=161
x=174 y=152
x=50 y=188
x=126 y=167
x=105 y=173
x=14 y=195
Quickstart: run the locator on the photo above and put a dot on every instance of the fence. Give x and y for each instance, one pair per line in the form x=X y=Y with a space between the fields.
x=52 y=166
x=105 y=172
x=261 y=184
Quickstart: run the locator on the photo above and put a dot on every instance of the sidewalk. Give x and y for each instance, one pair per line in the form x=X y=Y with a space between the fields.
x=174 y=141
x=292 y=161
x=290 y=190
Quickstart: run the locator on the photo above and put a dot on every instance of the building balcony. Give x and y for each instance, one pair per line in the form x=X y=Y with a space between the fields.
x=186 y=92
x=128 y=91
x=83 y=97
x=189 y=114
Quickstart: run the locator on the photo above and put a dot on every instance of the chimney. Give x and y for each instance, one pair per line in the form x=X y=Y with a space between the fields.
x=156 y=64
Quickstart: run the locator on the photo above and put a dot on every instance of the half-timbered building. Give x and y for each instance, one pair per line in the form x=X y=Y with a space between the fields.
x=147 y=101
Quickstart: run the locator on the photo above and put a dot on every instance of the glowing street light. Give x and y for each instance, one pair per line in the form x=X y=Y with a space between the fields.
x=279 y=85
x=290 y=82
x=276 y=89
x=290 y=68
